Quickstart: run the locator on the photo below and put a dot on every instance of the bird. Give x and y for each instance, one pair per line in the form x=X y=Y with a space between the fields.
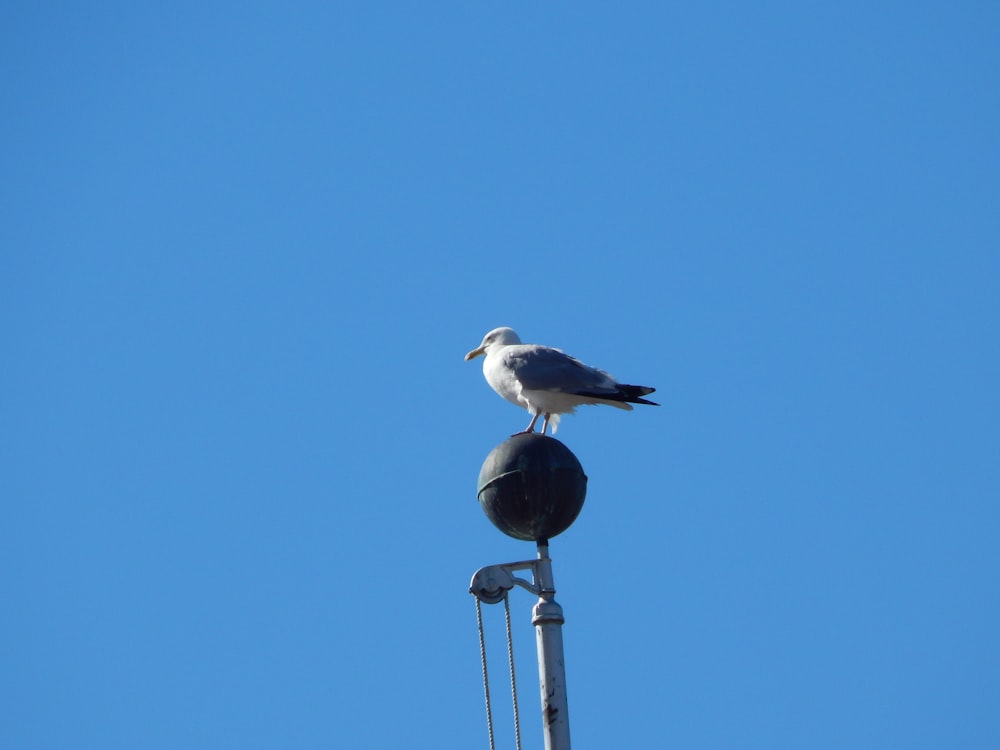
x=547 y=382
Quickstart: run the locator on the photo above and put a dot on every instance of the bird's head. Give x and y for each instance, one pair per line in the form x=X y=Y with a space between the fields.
x=496 y=337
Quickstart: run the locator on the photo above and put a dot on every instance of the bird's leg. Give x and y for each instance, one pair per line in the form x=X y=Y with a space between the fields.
x=545 y=422
x=531 y=424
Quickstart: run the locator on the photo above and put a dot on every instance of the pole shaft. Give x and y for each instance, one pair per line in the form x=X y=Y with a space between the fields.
x=547 y=617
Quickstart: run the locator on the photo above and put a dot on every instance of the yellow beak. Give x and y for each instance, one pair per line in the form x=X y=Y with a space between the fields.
x=473 y=354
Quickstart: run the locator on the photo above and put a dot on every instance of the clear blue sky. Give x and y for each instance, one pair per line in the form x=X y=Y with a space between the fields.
x=244 y=248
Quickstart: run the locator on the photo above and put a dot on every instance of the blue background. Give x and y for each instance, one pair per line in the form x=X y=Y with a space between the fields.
x=243 y=250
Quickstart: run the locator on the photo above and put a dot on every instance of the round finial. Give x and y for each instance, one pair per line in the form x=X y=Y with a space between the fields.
x=532 y=487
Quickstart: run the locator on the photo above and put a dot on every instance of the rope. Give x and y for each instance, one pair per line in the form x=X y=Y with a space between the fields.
x=513 y=682
x=486 y=681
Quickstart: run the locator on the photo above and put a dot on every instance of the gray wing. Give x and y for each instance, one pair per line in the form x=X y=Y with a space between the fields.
x=540 y=368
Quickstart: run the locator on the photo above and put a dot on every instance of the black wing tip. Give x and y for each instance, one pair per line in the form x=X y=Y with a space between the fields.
x=641 y=401
x=633 y=394
x=629 y=394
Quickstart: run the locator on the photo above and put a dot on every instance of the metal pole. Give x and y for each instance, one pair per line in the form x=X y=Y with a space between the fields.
x=547 y=617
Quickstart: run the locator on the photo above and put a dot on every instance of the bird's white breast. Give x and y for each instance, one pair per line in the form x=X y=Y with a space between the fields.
x=501 y=378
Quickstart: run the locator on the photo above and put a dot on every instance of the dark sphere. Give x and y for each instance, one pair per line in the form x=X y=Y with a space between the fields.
x=532 y=487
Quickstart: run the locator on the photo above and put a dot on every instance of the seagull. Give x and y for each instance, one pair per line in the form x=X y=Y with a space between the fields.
x=547 y=382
